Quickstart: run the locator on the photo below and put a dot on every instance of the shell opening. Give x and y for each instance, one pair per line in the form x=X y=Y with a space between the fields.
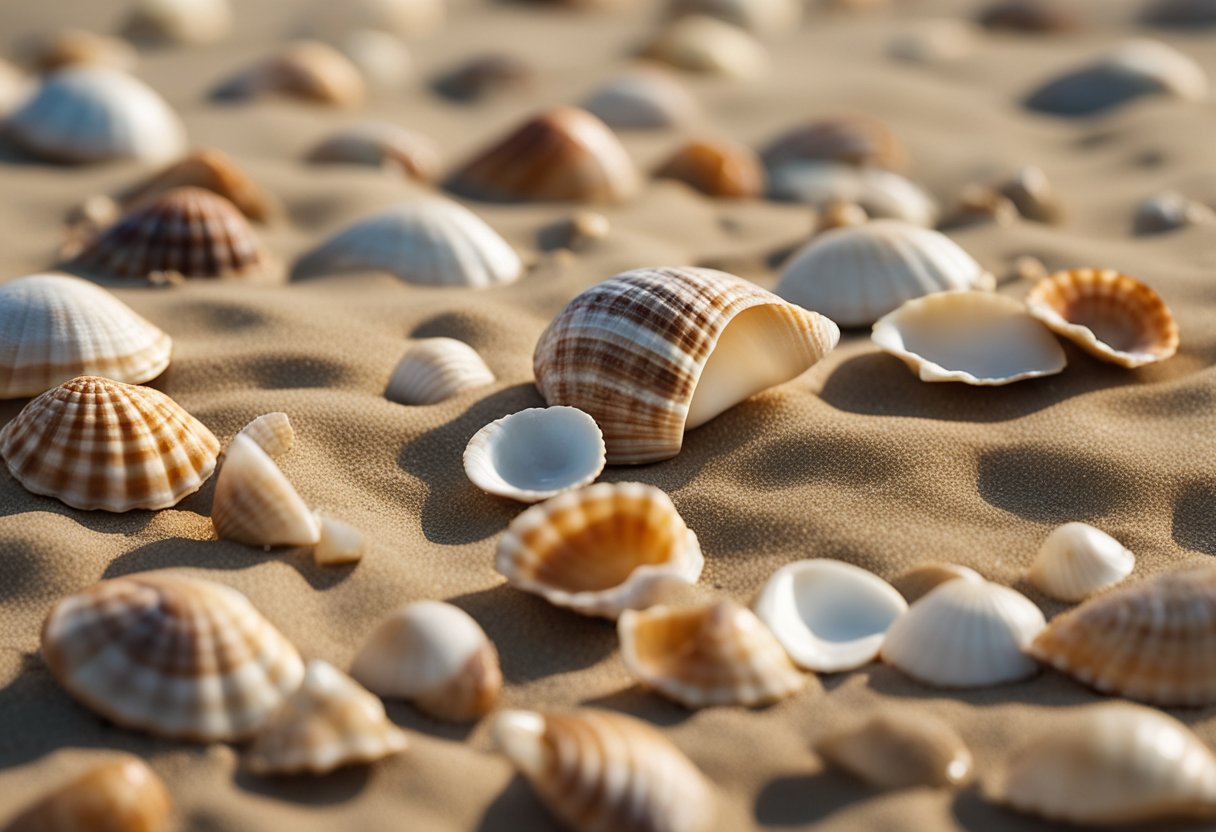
x=837 y=612
x=541 y=454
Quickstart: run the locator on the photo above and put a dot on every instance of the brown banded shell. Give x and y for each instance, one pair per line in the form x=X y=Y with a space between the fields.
x=121 y=795
x=304 y=70
x=717 y=169
x=272 y=432
x=69 y=47
x=853 y=140
x=255 y=504
x=215 y=171
x=698 y=43
x=380 y=145
x=901 y=752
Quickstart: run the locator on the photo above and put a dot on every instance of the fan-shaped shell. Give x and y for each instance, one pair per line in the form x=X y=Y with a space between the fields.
x=435 y=655
x=436 y=369
x=272 y=432
x=602 y=549
x=94 y=443
x=853 y=140
x=716 y=168
x=764 y=17
x=698 y=43
x=215 y=171
x=1170 y=210
x=179 y=21
x=69 y=47
x=643 y=99
x=305 y=70
x=598 y=771
x=179 y=657
x=1077 y=560
x=965 y=634
x=652 y=352
x=380 y=145
x=898 y=751
x=120 y=795
x=883 y=194
x=919 y=581
x=1028 y=17
x=255 y=504
x=55 y=327
x=485 y=76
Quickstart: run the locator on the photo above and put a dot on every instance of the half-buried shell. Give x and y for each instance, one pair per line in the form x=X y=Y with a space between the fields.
x=380 y=145
x=434 y=370
x=882 y=193
x=304 y=70
x=900 y=752
x=1077 y=560
x=272 y=432
x=643 y=99
x=699 y=43
x=716 y=168
x=255 y=504
x=215 y=171
x=121 y=795
x=72 y=47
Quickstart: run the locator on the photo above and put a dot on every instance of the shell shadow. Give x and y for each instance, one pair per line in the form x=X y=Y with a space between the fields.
x=407 y=716
x=15 y=500
x=799 y=800
x=325 y=790
x=516 y=808
x=974 y=813
x=1195 y=518
x=1050 y=486
x=643 y=704
x=286 y=372
x=832 y=458
x=1047 y=686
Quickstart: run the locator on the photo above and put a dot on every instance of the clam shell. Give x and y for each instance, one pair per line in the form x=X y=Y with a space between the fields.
x=484 y=76
x=652 y=352
x=329 y=722
x=763 y=17
x=901 y=752
x=716 y=168
x=973 y=337
x=179 y=657
x=272 y=432
x=120 y=795
x=305 y=70
x=434 y=370
x=179 y=21
x=57 y=327
x=698 y=43
x=644 y=99
x=403 y=18
x=338 y=544
x=70 y=47
x=380 y=145
x=1077 y=560
x=94 y=443
x=602 y=549
x=435 y=655
x=828 y=615
x=852 y=140
x=382 y=58
x=1170 y=210
x=965 y=634
x=599 y=771
x=1031 y=193
x=1110 y=315
x=215 y=171
x=881 y=193
x=919 y=581
x=96 y=114
x=255 y=504
x=1028 y=17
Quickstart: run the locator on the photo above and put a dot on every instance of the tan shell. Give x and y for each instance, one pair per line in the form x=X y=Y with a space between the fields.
x=849 y=139
x=305 y=70
x=764 y=17
x=652 y=352
x=339 y=543
x=436 y=369
x=1077 y=560
x=485 y=76
x=1029 y=17
x=901 y=752
x=69 y=47
x=380 y=145
x=403 y=18
x=1110 y=315
x=919 y=581
x=1031 y=193
x=647 y=98
x=255 y=504
x=120 y=795
x=179 y=21
x=272 y=432
x=215 y=171
x=94 y=443
x=698 y=43
x=382 y=58
x=176 y=656
x=1168 y=211
x=716 y=168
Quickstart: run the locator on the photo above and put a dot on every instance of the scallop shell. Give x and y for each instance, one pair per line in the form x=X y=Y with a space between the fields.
x=121 y=795
x=57 y=327
x=1077 y=560
x=934 y=41
x=829 y=615
x=435 y=655
x=643 y=99
x=215 y=171
x=1181 y=13
x=180 y=657
x=338 y=544
x=919 y=581
x=1110 y=315
x=566 y=154
x=329 y=722
x=598 y=771
x=255 y=504
x=974 y=337
x=1031 y=193
x=383 y=59
x=698 y=43
x=764 y=17
x=483 y=77
x=434 y=370
x=1170 y=210
x=602 y=549
x=855 y=275
x=94 y=443
x=965 y=634
x=717 y=169
x=901 y=752
x=179 y=21
x=1028 y=17
x=305 y=70
x=272 y=432
x=881 y=193
x=381 y=145
x=96 y=114
x=70 y=47
x=652 y=352
x=1112 y=764
x=404 y=18
x=852 y=140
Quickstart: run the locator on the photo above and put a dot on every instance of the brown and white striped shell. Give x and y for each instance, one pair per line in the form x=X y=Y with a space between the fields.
x=853 y=140
x=120 y=795
x=380 y=145
x=255 y=504
x=272 y=432
x=305 y=70
x=215 y=171
x=901 y=751
x=716 y=168
x=436 y=369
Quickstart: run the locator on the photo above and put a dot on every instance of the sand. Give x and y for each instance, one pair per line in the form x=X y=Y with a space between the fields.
x=854 y=460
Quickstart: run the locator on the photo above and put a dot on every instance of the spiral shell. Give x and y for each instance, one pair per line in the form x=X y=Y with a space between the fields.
x=120 y=795
x=850 y=139
x=215 y=171
x=434 y=370
x=698 y=43
x=1077 y=560
x=304 y=70
x=716 y=168
x=900 y=752
x=272 y=432
x=643 y=99
x=255 y=504
x=380 y=145
x=179 y=21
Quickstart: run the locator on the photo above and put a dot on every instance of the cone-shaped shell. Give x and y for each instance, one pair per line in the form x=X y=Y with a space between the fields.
x=919 y=581
x=255 y=504
x=901 y=752
x=435 y=655
x=759 y=16
x=436 y=369
x=853 y=140
x=652 y=352
x=535 y=454
x=176 y=656
x=179 y=21
x=380 y=145
x=698 y=43
x=121 y=795
x=305 y=70
x=965 y=634
x=1109 y=315
x=602 y=549
x=272 y=432
x=716 y=168
x=70 y=47
x=881 y=193
x=55 y=327
x=94 y=443
x=215 y=171
x=598 y=771
x=644 y=99
x=1077 y=560
x=566 y=154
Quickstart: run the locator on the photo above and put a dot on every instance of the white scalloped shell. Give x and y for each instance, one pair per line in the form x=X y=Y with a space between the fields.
x=535 y=454
x=1077 y=560
x=436 y=369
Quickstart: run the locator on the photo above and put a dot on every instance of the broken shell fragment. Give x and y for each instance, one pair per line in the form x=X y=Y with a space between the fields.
x=919 y=581
x=380 y=145
x=272 y=432
x=1168 y=211
x=304 y=70
x=716 y=169
x=852 y=140
x=698 y=43
x=215 y=171
x=338 y=543
x=883 y=194
x=255 y=504
x=121 y=795
x=71 y=47
x=901 y=752
x=1077 y=560
x=434 y=370
x=179 y=21
x=643 y=99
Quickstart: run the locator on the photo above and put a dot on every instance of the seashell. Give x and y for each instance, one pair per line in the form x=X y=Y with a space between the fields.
x=856 y=275
x=715 y=654
x=974 y=337
x=255 y=504
x=94 y=443
x=601 y=549
x=1113 y=763
x=650 y=353
x=435 y=655
x=13 y=87
x=179 y=21
x=426 y=241
x=436 y=369
x=272 y=432
x=485 y=76
x=339 y=543
x=403 y=18
x=179 y=657
x=535 y=454
x=1170 y=210
x=1028 y=17
x=96 y=114
x=919 y=581
x=596 y=771
x=1141 y=642
x=381 y=145
x=215 y=171
x=306 y=70
x=840 y=215
x=717 y=169
x=1181 y=13
x=829 y=615
x=1135 y=69
x=578 y=231
x=382 y=58
x=1077 y=560
x=763 y=17
x=979 y=204
x=851 y=140
x=60 y=327
x=697 y=43
x=121 y=795
x=901 y=752
x=566 y=154
x=643 y=99
x=881 y=193
x=934 y=41
x=1110 y=315
x=329 y=722
x=1032 y=195
x=71 y=47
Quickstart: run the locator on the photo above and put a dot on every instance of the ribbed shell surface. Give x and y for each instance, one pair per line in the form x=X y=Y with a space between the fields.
x=436 y=369
x=255 y=504
x=1077 y=560
x=272 y=432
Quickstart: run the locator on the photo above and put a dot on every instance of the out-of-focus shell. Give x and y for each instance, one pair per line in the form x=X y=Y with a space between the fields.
x=70 y=47
x=1109 y=315
x=716 y=168
x=642 y=99
x=901 y=752
x=272 y=432
x=436 y=369
x=576 y=232
x=338 y=544
x=599 y=771
x=1181 y=13
x=14 y=87
x=839 y=215
x=919 y=581
x=934 y=41
x=965 y=634
x=828 y=615
x=179 y=21
x=974 y=337
x=1170 y=210
x=602 y=549
x=979 y=204
x=306 y=70
x=698 y=43
x=1028 y=17
x=1031 y=193
x=850 y=139
x=535 y=454
x=764 y=17
x=485 y=76
x=435 y=655
x=652 y=352
x=95 y=443
x=1077 y=560
x=881 y=193
x=179 y=657
x=121 y=795
x=404 y=18
x=215 y=171
x=382 y=58
x=380 y=145
x=255 y=504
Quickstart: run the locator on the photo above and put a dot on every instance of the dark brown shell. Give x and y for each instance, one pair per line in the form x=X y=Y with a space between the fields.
x=716 y=168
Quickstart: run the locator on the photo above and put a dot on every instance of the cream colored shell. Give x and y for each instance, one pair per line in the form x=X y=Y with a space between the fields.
x=642 y=99
x=404 y=18
x=764 y=17
x=698 y=43
x=1077 y=560
x=255 y=504
x=272 y=432
x=338 y=543
x=901 y=751
x=383 y=58
x=180 y=21
x=120 y=795
x=434 y=370
x=881 y=193
x=304 y=70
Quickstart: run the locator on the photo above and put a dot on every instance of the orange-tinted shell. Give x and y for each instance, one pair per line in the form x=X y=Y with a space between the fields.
x=854 y=140
x=215 y=171
x=716 y=168
x=122 y=795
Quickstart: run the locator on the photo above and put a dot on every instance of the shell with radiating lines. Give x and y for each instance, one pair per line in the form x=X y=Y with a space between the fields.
x=434 y=370
x=716 y=168
x=272 y=432
x=305 y=70
x=642 y=99
x=255 y=504
x=1077 y=560
x=119 y=795
x=380 y=145
x=899 y=751
x=215 y=171
x=707 y=45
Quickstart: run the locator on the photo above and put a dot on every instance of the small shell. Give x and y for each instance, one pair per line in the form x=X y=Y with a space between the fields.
x=60 y=327
x=70 y=47
x=14 y=87
x=901 y=752
x=382 y=58
x=380 y=145
x=403 y=18
x=1182 y=13
x=215 y=171
x=434 y=370
x=965 y=634
x=697 y=43
x=485 y=76
x=122 y=795
x=763 y=17
x=179 y=657
x=339 y=544
x=179 y=21
x=881 y=193
x=653 y=352
x=329 y=722
x=598 y=771
x=94 y=443
x=1031 y=193
x=840 y=215
x=1170 y=210
x=1112 y=764
x=919 y=581
x=602 y=549
x=272 y=432
x=1028 y=17
x=643 y=99
x=435 y=655
x=934 y=41
x=829 y=615
x=1077 y=560
x=974 y=337
x=576 y=232
x=305 y=70
x=979 y=204
x=255 y=504
x=856 y=275
x=717 y=169
x=851 y=140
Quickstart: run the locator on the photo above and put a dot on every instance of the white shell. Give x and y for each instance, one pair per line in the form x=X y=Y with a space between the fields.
x=255 y=504
x=14 y=87
x=272 y=432
x=436 y=369
x=536 y=453
x=339 y=543
x=180 y=21
x=698 y=43
x=644 y=99
x=829 y=615
x=883 y=194
x=1077 y=560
